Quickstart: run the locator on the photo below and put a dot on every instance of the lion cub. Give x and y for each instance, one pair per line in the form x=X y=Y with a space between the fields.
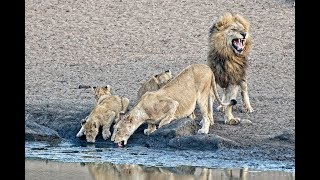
x=155 y=82
x=105 y=112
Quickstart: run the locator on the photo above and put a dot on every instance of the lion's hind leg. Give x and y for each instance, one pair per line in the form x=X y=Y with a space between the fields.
x=207 y=116
x=107 y=123
x=223 y=98
x=245 y=97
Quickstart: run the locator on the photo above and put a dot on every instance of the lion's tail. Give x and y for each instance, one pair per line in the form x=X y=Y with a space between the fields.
x=215 y=92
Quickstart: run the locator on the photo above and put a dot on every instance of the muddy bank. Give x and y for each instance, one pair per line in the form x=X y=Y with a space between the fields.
x=36 y=132
x=122 y=43
x=181 y=135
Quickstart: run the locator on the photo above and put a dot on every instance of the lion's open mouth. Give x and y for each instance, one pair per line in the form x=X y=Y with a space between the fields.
x=238 y=44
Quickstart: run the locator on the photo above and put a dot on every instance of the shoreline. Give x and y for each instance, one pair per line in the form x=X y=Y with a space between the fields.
x=221 y=158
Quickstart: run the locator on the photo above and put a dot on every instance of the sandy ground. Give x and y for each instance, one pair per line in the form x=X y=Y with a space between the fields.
x=122 y=43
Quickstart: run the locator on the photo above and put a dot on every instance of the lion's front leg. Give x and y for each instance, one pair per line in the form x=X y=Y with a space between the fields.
x=205 y=103
x=169 y=115
x=125 y=104
x=245 y=97
x=107 y=124
x=151 y=128
x=229 y=118
x=231 y=93
x=83 y=121
x=80 y=133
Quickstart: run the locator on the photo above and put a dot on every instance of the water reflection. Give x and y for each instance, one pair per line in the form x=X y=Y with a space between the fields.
x=36 y=169
x=139 y=172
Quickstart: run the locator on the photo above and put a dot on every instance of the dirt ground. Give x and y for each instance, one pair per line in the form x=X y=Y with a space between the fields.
x=122 y=43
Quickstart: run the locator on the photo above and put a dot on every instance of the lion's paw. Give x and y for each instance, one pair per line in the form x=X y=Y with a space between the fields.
x=233 y=121
x=221 y=108
x=192 y=116
x=247 y=109
x=202 y=131
x=106 y=134
x=147 y=132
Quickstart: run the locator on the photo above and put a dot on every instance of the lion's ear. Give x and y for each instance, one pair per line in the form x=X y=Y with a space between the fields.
x=169 y=73
x=107 y=86
x=155 y=78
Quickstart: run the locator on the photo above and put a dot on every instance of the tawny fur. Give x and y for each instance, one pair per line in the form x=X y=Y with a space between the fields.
x=155 y=82
x=104 y=113
x=177 y=99
x=229 y=65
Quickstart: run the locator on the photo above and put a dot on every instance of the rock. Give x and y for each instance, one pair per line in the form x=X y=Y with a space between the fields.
x=177 y=128
x=284 y=137
x=182 y=134
x=245 y=121
x=202 y=142
x=37 y=132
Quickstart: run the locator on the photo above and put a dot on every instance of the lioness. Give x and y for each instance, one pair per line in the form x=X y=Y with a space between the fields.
x=229 y=46
x=177 y=99
x=157 y=81
x=105 y=112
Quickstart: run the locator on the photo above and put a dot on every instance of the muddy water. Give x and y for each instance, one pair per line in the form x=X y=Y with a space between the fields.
x=68 y=161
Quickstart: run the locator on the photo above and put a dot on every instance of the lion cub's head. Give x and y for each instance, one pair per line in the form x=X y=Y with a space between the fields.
x=233 y=31
x=163 y=78
x=100 y=91
x=123 y=130
x=155 y=82
x=91 y=129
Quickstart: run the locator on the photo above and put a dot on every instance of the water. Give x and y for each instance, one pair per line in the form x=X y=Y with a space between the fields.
x=93 y=161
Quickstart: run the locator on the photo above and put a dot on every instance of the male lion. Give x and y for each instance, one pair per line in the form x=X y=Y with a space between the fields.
x=105 y=112
x=229 y=46
x=177 y=99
